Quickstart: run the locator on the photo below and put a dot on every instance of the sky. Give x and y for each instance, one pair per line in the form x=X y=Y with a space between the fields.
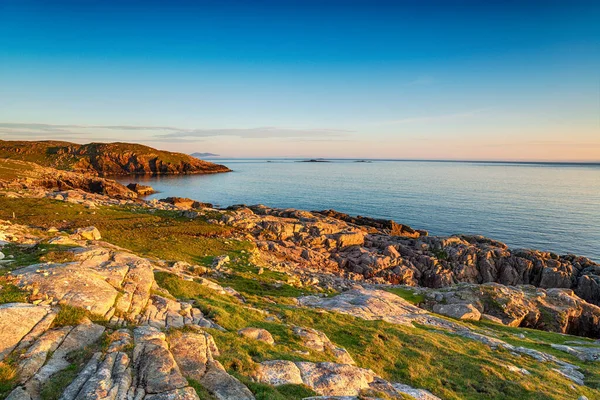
x=470 y=80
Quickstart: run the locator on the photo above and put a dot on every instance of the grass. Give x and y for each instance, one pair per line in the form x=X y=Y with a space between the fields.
x=8 y=377
x=70 y=316
x=408 y=295
x=54 y=387
x=14 y=169
x=35 y=254
x=162 y=234
x=284 y=392
x=451 y=367
x=201 y=391
x=10 y=293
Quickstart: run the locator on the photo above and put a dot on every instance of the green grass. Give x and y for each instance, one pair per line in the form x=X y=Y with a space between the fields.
x=70 y=316
x=201 y=391
x=14 y=169
x=284 y=392
x=8 y=377
x=10 y=293
x=163 y=234
x=450 y=366
x=408 y=295
x=54 y=387
x=40 y=253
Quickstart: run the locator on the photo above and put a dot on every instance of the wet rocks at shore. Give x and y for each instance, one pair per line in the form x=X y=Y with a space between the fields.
x=141 y=190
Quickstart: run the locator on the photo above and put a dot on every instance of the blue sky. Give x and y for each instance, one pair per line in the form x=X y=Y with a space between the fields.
x=511 y=80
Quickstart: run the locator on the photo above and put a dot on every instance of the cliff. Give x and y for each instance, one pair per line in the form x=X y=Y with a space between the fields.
x=19 y=175
x=106 y=158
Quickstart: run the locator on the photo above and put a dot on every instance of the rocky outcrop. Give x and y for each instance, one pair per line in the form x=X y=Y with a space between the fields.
x=107 y=158
x=556 y=310
x=185 y=203
x=101 y=281
x=361 y=249
x=458 y=311
x=330 y=379
x=16 y=321
x=380 y=225
x=27 y=175
x=141 y=190
x=194 y=352
x=373 y=304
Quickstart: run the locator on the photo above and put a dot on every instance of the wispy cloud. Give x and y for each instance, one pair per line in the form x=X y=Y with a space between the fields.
x=260 y=132
x=13 y=130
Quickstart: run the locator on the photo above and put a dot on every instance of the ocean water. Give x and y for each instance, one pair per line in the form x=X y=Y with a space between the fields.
x=553 y=207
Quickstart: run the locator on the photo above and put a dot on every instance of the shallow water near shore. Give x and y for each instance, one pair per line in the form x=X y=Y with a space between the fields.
x=553 y=207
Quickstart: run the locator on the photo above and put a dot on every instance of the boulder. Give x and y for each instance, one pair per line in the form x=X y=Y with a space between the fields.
x=89 y=233
x=257 y=334
x=458 y=311
x=141 y=190
x=327 y=379
x=279 y=372
x=185 y=203
x=347 y=239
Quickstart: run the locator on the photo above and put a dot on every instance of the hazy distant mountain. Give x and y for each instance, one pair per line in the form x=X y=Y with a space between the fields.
x=200 y=155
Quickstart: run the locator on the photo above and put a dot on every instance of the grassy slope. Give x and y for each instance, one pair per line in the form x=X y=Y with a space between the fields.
x=449 y=366
x=71 y=156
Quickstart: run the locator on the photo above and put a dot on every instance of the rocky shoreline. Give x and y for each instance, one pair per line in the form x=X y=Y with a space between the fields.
x=155 y=345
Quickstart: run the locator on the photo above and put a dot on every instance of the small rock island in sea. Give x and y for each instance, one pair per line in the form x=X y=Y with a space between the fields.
x=106 y=295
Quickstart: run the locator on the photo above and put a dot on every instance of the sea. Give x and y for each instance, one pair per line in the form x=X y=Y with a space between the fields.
x=547 y=206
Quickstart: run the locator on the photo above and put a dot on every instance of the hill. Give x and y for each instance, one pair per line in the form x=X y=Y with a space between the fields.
x=106 y=158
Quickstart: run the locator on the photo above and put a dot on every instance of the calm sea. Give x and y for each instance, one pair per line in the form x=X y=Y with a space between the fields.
x=553 y=207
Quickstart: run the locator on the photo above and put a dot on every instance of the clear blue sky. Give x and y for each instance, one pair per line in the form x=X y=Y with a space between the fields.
x=450 y=79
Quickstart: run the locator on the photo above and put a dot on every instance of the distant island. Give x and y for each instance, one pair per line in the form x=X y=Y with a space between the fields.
x=314 y=160
x=200 y=155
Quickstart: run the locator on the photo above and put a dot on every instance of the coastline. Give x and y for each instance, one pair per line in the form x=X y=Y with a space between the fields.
x=243 y=276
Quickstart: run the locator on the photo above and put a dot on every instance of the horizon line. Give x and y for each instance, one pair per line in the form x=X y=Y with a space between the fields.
x=216 y=158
